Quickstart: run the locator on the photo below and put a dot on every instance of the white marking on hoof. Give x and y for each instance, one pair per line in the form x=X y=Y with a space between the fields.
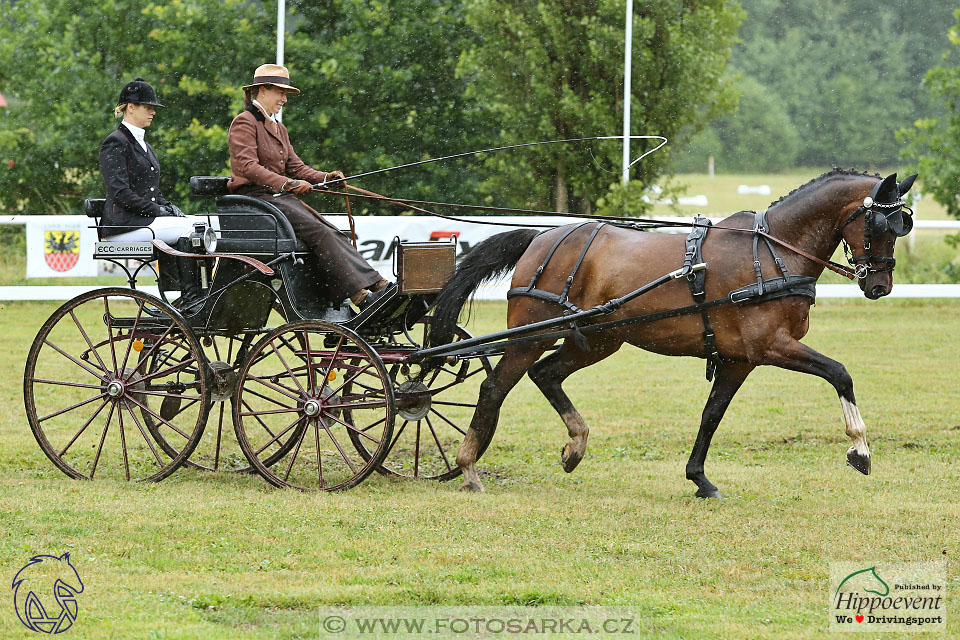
x=856 y=429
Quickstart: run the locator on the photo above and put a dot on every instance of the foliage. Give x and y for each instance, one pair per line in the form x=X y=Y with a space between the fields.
x=759 y=134
x=554 y=70
x=847 y=73
x=384 y=83
x=934 y=144
x=379 y=90
x=64 y=63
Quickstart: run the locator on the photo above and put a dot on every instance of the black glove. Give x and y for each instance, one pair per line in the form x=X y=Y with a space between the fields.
x=174 y=210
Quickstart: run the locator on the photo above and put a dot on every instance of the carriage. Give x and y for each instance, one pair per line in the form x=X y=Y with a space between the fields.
x=316 y=390
x=119 y=382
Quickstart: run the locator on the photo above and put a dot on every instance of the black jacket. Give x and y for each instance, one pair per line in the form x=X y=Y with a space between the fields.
x=132 y=176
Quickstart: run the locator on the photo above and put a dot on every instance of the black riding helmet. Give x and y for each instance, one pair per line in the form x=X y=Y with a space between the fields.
x=138 y=91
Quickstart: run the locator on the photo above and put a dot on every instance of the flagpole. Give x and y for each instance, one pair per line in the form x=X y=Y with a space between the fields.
x=628 y=39
x=281 y=29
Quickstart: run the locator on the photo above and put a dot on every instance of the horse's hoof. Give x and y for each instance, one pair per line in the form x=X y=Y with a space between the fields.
x=709 y=493
x=472 y=487
x=569 y=459
x=858 y=461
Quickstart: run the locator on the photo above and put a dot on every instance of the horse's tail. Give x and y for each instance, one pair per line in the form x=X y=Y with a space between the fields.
x=488 y=260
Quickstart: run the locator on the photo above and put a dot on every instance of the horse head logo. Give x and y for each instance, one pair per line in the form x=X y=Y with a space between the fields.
x=867 y=581
x=44 y=575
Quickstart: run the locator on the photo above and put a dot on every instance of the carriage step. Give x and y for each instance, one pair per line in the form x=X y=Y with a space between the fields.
x=159 y=321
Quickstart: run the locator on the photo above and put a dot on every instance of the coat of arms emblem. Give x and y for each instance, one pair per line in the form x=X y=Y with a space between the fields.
x=61 y=249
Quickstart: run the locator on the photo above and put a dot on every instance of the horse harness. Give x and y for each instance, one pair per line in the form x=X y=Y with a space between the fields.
x=762 y=290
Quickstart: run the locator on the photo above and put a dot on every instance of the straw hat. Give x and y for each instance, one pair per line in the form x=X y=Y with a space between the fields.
x=272 y=74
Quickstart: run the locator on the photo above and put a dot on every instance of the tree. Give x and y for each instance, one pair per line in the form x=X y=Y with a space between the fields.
x=934 y=144
x=64 y=63
x=758 y=136
x=379 y=90
x=555 y=70
x=847 y=73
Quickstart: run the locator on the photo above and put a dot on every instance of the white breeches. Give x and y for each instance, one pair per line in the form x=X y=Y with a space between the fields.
x=166 y=228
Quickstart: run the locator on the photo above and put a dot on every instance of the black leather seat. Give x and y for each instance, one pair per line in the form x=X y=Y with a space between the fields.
x=209 y=185
x=93 y=207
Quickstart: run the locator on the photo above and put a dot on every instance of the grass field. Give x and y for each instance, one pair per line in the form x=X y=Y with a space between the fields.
x=226 y=556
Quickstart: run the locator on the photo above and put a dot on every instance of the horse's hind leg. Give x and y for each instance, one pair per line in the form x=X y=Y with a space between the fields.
x=549 y=374
x=793 y=355
x=493 y=391
x=730 y=377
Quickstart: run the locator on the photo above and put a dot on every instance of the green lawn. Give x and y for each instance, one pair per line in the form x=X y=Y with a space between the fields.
x=226 y=556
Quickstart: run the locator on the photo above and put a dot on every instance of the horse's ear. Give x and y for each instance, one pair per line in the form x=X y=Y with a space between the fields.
x=905 y=185
x=66 y=556
x=886 y=190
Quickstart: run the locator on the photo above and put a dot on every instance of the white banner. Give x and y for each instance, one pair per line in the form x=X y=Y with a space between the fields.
x=60 y=246
x=377 y=235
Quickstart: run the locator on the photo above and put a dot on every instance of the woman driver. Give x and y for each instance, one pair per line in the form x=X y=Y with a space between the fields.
x=264 y=163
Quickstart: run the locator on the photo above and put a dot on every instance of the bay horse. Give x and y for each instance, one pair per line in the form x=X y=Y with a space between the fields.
x=865 y=212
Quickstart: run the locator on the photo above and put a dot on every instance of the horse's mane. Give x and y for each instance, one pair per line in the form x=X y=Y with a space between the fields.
x=834 y=172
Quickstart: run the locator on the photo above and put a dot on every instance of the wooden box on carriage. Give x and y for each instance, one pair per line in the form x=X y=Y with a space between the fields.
x=424 y=267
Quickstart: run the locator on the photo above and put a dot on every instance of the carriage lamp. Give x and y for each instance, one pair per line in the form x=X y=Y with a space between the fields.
x=210 y=240
x=203 y=236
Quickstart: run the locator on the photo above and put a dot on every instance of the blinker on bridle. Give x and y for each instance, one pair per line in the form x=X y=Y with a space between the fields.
x=879 y=219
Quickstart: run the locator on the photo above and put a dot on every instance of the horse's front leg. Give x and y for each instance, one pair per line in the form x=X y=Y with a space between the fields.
x=791 y=354
x=730 y=377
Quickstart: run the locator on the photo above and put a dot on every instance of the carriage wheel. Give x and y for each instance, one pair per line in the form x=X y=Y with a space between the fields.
x=304 y=388
x=434 y=408
x=88 y=391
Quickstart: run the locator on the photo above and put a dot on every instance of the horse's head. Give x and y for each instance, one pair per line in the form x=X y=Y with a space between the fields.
x=50 y=569
x=871 y=231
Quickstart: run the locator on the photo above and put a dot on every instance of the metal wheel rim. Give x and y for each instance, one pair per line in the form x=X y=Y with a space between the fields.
x=113 y=390
x=290 y=391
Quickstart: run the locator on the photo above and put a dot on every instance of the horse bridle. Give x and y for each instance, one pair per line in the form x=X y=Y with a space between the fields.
x=879 y=218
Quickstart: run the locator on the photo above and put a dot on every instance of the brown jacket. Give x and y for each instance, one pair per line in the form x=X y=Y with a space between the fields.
x=260 y=157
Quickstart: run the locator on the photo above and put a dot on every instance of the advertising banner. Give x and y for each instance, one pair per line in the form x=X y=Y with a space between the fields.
x=60 y=247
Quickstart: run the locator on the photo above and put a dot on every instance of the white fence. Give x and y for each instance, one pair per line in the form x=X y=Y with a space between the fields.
x=377 y=236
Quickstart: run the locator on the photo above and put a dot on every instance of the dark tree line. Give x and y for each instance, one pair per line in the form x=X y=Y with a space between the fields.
x=827 y=83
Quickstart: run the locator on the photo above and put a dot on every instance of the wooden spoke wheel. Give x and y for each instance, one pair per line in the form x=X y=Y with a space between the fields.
x=96 y=405
x=303 y=390
x=435 y=405
x=223 y=354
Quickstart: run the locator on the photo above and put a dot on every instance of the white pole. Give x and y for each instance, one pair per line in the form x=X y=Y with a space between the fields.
x=628 y=38
x=281 y=29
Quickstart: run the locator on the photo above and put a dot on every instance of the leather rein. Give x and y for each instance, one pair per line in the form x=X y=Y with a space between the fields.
x=863 y=264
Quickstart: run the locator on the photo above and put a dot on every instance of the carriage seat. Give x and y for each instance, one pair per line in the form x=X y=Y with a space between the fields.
x=209 y=185
x=255 y=227
x=93 y=207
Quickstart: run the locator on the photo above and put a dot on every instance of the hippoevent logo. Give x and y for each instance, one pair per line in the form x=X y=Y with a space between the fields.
x=904 y=596
x=45 y=594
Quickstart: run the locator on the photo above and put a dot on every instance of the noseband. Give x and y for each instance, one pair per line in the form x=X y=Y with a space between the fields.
x=879 y=218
